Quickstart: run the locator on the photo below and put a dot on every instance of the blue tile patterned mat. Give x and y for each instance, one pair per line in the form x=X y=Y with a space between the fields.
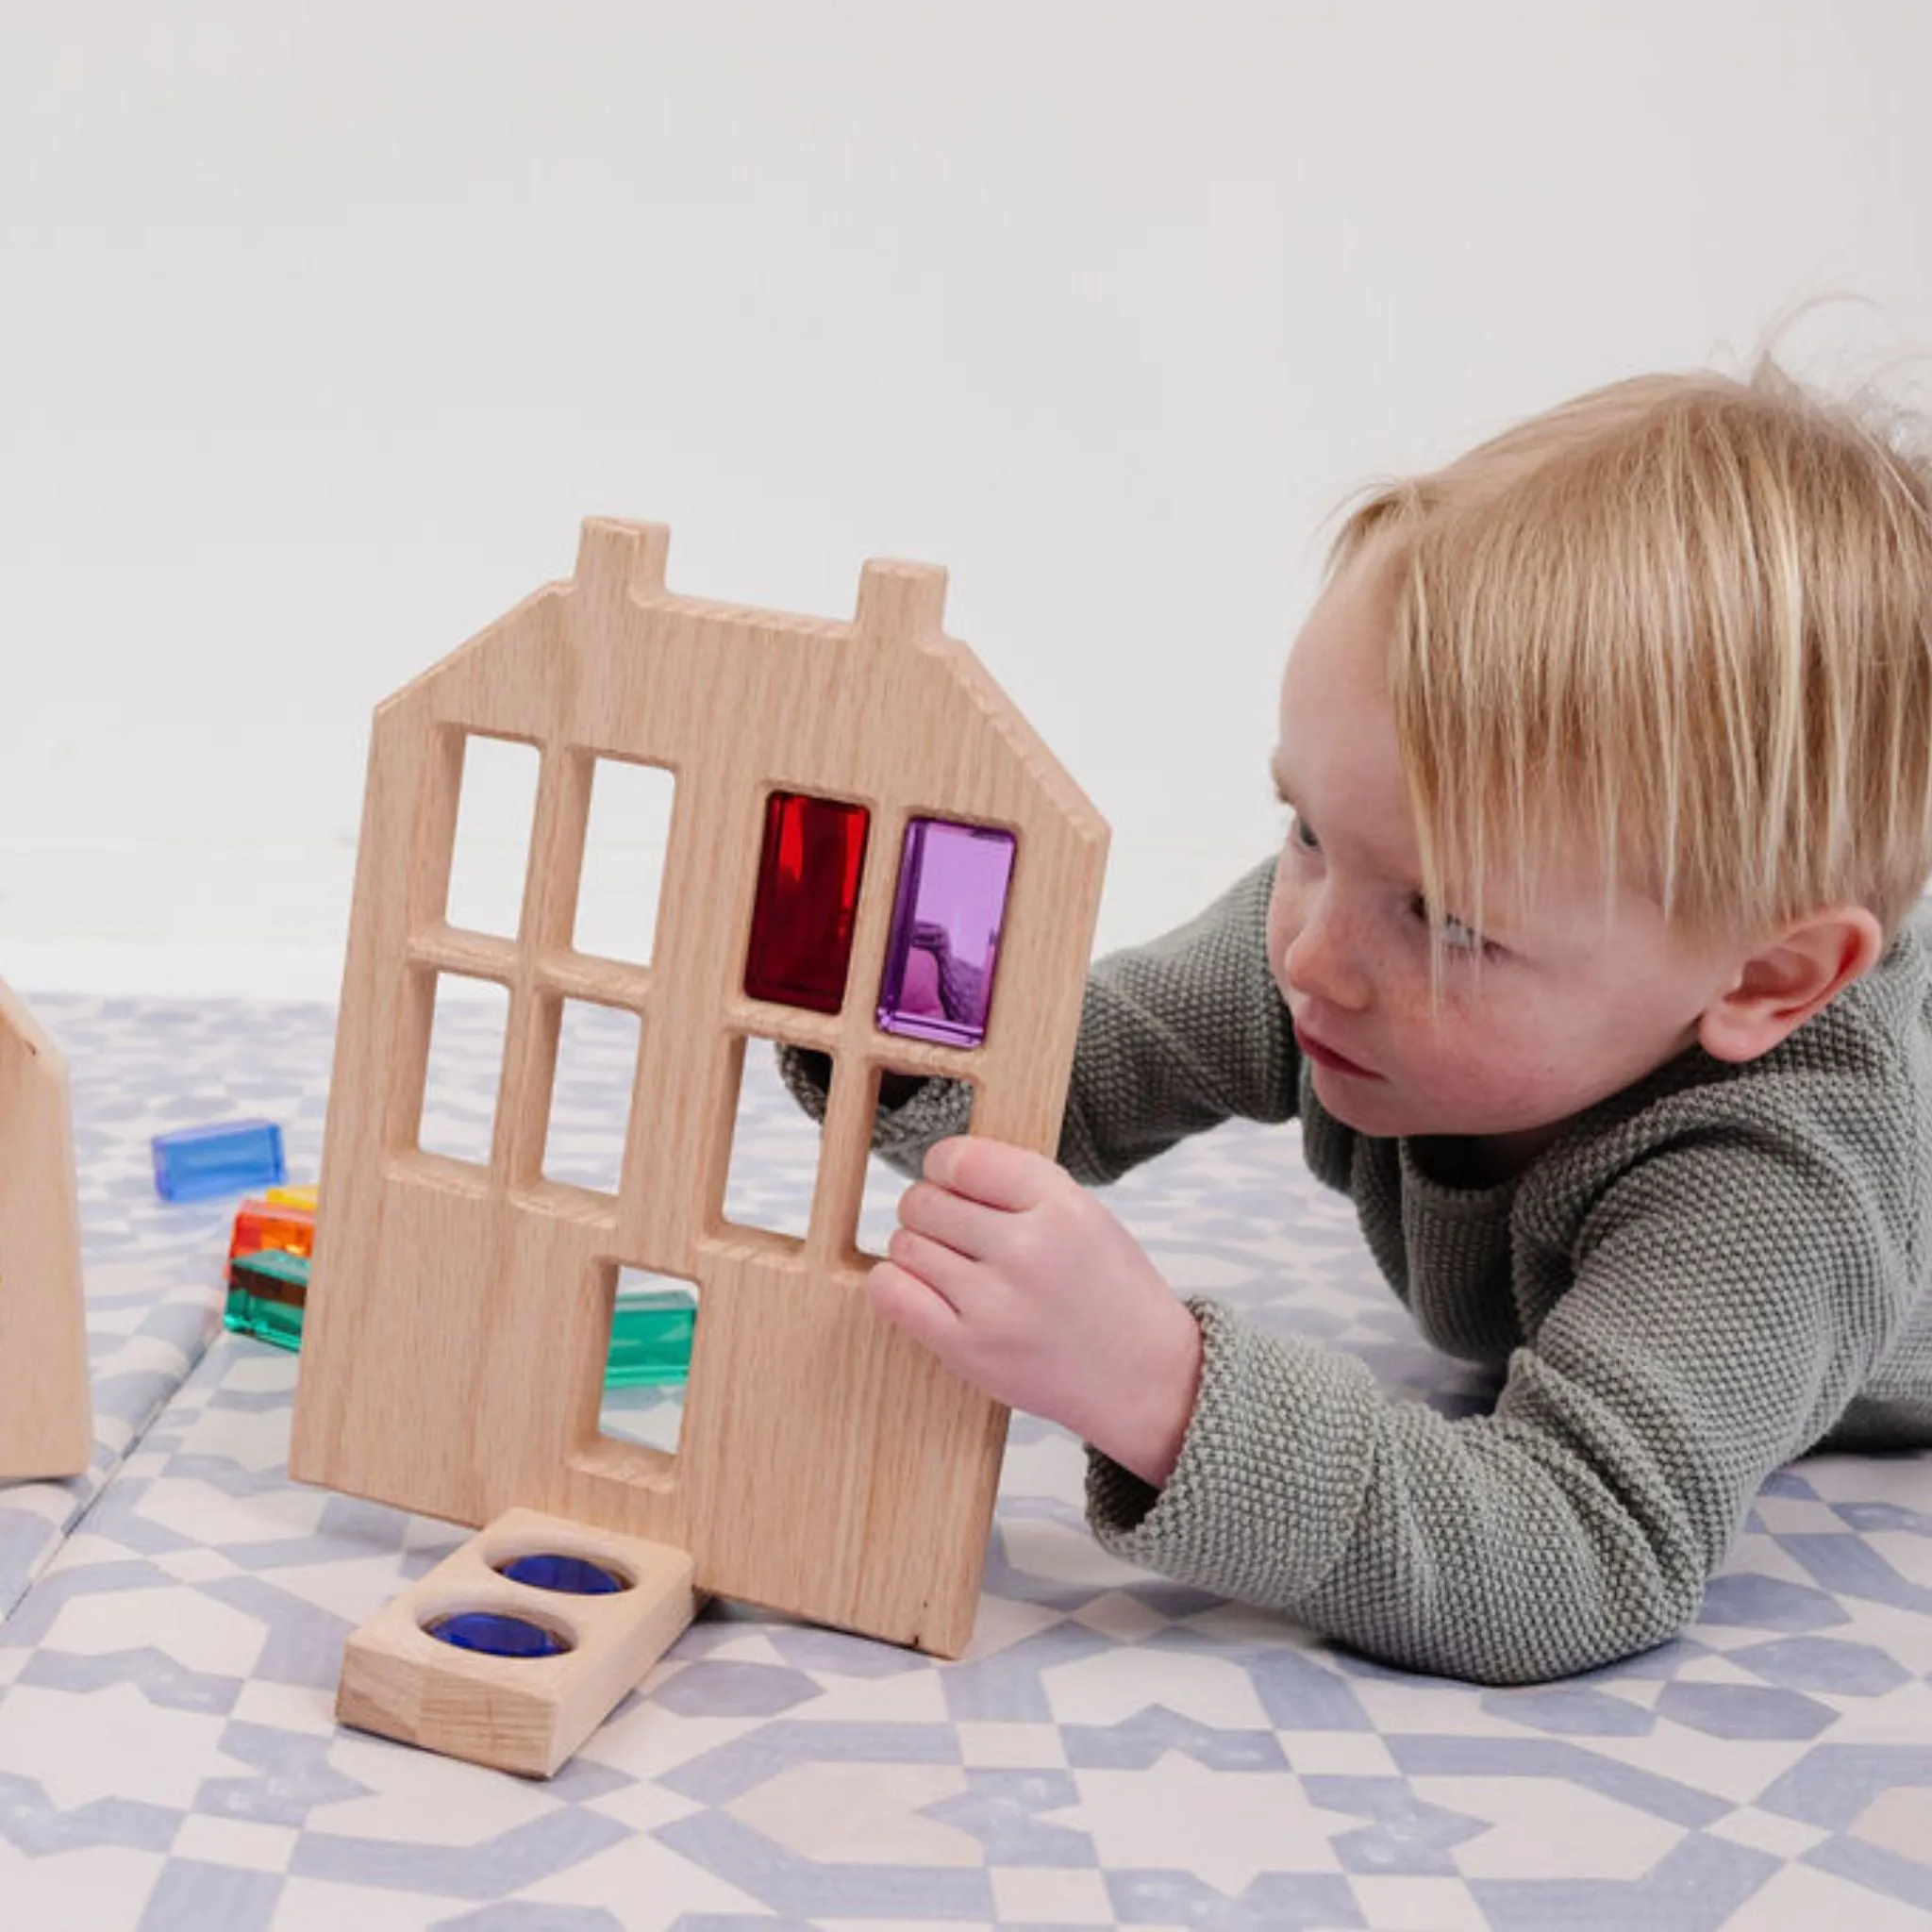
x=1115 y=1749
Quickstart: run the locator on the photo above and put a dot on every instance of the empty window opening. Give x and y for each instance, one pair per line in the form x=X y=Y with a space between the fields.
x=467 y=1033
x=653 y=1325
x=629 y=833
x=947 y=913
x=810 y=869
x=878 y=1206
x=494 y=817
x=775 y=1145
x=589 y=1100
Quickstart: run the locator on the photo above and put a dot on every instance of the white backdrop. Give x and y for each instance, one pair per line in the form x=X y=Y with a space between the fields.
x=321 y=327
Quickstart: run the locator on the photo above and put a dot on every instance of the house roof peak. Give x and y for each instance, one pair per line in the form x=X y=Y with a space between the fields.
x=898 y=602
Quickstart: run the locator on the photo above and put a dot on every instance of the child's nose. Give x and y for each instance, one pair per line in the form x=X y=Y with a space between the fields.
x=1322 y=958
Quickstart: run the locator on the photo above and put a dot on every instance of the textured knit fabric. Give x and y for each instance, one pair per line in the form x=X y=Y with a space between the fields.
x=1709 y=1273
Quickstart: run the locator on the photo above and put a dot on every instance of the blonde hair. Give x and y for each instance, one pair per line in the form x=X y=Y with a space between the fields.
x=1685 y=619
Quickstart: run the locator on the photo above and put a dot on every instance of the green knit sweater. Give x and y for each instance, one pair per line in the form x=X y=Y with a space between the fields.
x=1707 y=1274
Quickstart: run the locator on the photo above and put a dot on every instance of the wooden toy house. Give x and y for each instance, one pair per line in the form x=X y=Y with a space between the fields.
x=46 y=1418
x=827 y=774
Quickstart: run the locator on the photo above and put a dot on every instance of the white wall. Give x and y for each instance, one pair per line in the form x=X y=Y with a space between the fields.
x=320 y=328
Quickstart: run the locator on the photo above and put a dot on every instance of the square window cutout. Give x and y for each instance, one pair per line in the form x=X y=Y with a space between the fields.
x=467 y=1032
x=878 y=1206
x=590 y=1097
x=654 y=1323
x=495 y=814
x=775 y=1149
x=624 y=844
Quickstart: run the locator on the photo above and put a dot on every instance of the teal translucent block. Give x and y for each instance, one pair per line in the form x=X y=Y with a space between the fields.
x=266 y=1295
x=650 y=1332
x=231 y=1157
x=277 y=1323
x=650 y=1329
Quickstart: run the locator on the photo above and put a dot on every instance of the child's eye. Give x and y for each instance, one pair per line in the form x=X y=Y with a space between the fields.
x=1299 y=833
x=1456 y=936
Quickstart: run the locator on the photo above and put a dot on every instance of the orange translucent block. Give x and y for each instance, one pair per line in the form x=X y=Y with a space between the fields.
x=264 y=1225
x=303 y=1198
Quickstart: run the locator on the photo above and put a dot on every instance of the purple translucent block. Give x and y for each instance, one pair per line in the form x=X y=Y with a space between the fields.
x=945 y=936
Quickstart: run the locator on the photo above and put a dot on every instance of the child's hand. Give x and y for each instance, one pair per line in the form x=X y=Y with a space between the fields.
x=1020 y=1281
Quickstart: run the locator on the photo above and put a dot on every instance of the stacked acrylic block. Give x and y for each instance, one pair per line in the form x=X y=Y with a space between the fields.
x=273 y=1239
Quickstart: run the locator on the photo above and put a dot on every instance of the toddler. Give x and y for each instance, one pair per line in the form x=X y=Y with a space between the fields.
x=1592 y=966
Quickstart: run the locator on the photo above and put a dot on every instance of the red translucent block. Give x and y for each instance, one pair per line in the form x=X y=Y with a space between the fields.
x=801 y=925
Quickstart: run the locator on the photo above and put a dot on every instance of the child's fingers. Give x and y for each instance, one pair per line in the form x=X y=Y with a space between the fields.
x=963 y=1226
x=994 y=1172
x=946 y=1272
x=911 y=1306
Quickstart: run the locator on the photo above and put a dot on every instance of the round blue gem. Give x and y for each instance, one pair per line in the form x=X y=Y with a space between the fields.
x=574 y=1575
x=496 y=1635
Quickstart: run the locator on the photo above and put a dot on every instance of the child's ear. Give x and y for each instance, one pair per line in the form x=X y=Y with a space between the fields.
x=1785 y=981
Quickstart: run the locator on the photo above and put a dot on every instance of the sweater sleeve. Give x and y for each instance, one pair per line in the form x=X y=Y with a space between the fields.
x=1580 y=1521
x=1175 y=1036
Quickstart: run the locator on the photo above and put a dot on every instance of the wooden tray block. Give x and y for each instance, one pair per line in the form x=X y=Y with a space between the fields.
x=520 y=1714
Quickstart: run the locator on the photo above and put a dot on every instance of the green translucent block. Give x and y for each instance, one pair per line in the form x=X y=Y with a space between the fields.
x=650 y=1330
x=276 y=1322
x=265 y=1296
x=650 y=1338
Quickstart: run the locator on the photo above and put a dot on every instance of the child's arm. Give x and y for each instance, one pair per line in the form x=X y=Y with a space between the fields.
x=1723 y=1312
x=1175 y=1036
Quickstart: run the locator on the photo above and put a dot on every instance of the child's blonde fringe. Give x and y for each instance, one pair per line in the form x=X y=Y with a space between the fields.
x=1683 y=624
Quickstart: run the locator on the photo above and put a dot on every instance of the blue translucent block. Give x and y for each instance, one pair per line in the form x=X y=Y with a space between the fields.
x=230 y=1159
x=496 y=1635
x=575 y=1575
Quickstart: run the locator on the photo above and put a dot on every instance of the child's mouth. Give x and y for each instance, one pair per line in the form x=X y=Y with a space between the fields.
x=1325 y=1056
